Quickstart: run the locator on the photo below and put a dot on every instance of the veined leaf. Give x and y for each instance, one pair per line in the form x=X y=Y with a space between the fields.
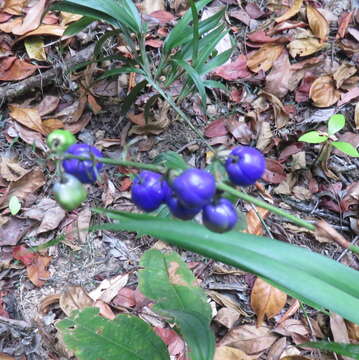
x=346 y=148
x=313 y=137
x=310 y=277
x=78 y=26
x=127 y=337
x=217 y=61
x=335 y=124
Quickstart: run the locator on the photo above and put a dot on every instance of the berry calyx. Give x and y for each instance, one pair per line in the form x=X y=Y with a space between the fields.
x=220 y=216
x=194 y=188
x=84 y=170
x=179 y=211
x=245 y=165
x=148 y=190
x=60 y=140
x=69 y=192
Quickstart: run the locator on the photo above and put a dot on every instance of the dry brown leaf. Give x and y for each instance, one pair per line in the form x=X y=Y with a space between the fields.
x=32 y=19
x=12 y=230
x=317 y=23
x=10 y=169
x=28 y=136
x=295 y=357
x=50 y=125
x=339 y=331
x=349 y=96
x=325 y=233
x=48 y=104
x=295 y=329
x=344 y=72
x=291 y=12
x=13 y=69
x=43 y=29
x=227 y=317
x=149 y=6
x=323 y=92
x=47 y=301
x=37 y=272
x=105 y=310
x=304 y=47
x=95 y=107
x=281 y=117
x=229 y=353
x=23 y=187
x=29 y=117
x=266 y=300
x=277 y=349
x=68 y=18
x=74 y=298
x=234 y=70
x=353 y=330
x=290 y=312
x=83 y=224
x=344 y=21
x=356 y=115
x=265 y=136
x=14 y=7
x=226 y=301
x=264 y=58
x=254 y=222
x=4 y=356
x=249 y=338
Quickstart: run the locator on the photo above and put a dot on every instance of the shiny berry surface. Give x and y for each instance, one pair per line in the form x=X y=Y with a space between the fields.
x=148 y=190
x=84 y=170
x=60 y=140
x=69 y=192
x=179 y=211
x=245 y=165
x=194 y=188
x=220 y=216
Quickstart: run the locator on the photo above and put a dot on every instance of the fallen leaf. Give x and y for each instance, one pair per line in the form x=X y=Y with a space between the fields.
x=149 y=6
x=175 y=343
x=10 y=169
x=266 y=300
x=339 y=331
x=23 y=254
x=295 y=329
x=291 y=12
x=249 y=338
x=304 y=47
x=344 y=72
x=254 y=11
x=241 y=15
x=317 y=23
x=4 y=356
x=274 y=172
x=349 y=96
x=234 y=70
x=225 y=300
x=14 y=7
x=12 y=231
x=265 y=136
x=295 y=357
x=344 y=21
x=32 y=19
x=277 y=81
x=48 y=104
x=254 y=220
x=105 y=310
x=323 y=92
x=30 y=137
x=35 y=48
x=216 y=128
x=83 y=224
x=227 y=317
x=37 y=272
x=325 y=233
x=264 y=58
x=281 y=116
x=230 y=353
x=68 y=18
x=74 y=298
x=353 y=330
x=13 y=69
x=29 y=117
x=354 y=33
x=9 y=25
x=277 y=349
x=125 y=297
x=356 y=115
x=164 y=17
x=50 y=125
x=43 y=29
x=302 y=92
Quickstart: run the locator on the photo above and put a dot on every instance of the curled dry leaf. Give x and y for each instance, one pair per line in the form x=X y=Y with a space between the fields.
x=344 y=72
x=227 y=317
x=317 y=23
x=323 y=92
x=176 y=345
x=353 y=330
x=291 y=12
x=344 y=21
x=230 y=353
x=325 y=233
x=266 y=300
x=32 y=19
x=10 y=169
x=339 y=330
x=277 y=349
x=29 y=117
x=264 y=58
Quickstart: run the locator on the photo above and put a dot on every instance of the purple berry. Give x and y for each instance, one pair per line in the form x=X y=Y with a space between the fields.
x=148 y=190
x=220 y=216
x=83 y=170
x=179 y=211
x=194 y=188
x=245 y=165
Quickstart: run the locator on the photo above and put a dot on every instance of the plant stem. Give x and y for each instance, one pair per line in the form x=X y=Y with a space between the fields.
x=264 y=205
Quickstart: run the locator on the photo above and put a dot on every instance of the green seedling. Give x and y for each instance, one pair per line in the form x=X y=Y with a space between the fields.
x=328 y=138
x=14 y=205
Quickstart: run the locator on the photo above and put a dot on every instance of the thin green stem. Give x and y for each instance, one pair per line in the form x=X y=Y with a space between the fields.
x=262 y=204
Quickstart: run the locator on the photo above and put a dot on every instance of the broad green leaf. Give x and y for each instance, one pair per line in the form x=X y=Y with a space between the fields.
x=171 y=160
x=346 y=148
x=335 y=124
x=343 y=349
x=92 y=337
x=313 y=137
x=312 y=278
x=78 y=26
x=167 y=280
x=14 y=205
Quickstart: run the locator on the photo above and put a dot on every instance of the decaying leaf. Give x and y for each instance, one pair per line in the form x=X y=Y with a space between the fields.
x=13 y=69
x=264 y=58
x=10 y=169
x=266 y=300
x=234 y=70
x=349 y=96
x=35 y=48
x=254 y=220
x=356 y=115
x=29 y=117
x=32 y=19
x=74 y=298
x=344 y=72
x=294 y=328
x=344 y=21
x=230 y=353
x=353 y=330
x=323 y=92
x=37 y=272
x=304 y=47
x=325 y=233
x=176 y=345
x=277 y=349
x=14 y=7
x=317 y=23
x=227 y=317
x=339 y=331
x=291 y=12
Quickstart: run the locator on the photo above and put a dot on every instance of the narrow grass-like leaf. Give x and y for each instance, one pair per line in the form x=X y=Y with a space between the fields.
x=92 y=337
x=195 y=30
x=307 y=276
x=131 y=97
x=78 y=26
x=215 y=62
x=343 y=349
x=120 y=70
x=346 y=148
x=102 y=39
x=213 y=84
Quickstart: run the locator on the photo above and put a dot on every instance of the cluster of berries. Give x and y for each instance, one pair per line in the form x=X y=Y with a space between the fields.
x=188 y=194
x=194 y=190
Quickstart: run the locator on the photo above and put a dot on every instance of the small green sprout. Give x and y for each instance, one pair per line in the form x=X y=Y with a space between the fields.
x=335 y=124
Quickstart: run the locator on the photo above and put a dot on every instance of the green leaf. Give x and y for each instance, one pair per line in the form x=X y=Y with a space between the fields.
x=312 y=278
x=92 y=337
x=100 y=42
x=78 y=26
x=171 y=160
x=131 y=97
x=167 y=280
x=217 y=61
x=335 y=124
x=342 y=349
x=14 y=205
x=346 y=148
x=313 y=137
x=118 y=71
